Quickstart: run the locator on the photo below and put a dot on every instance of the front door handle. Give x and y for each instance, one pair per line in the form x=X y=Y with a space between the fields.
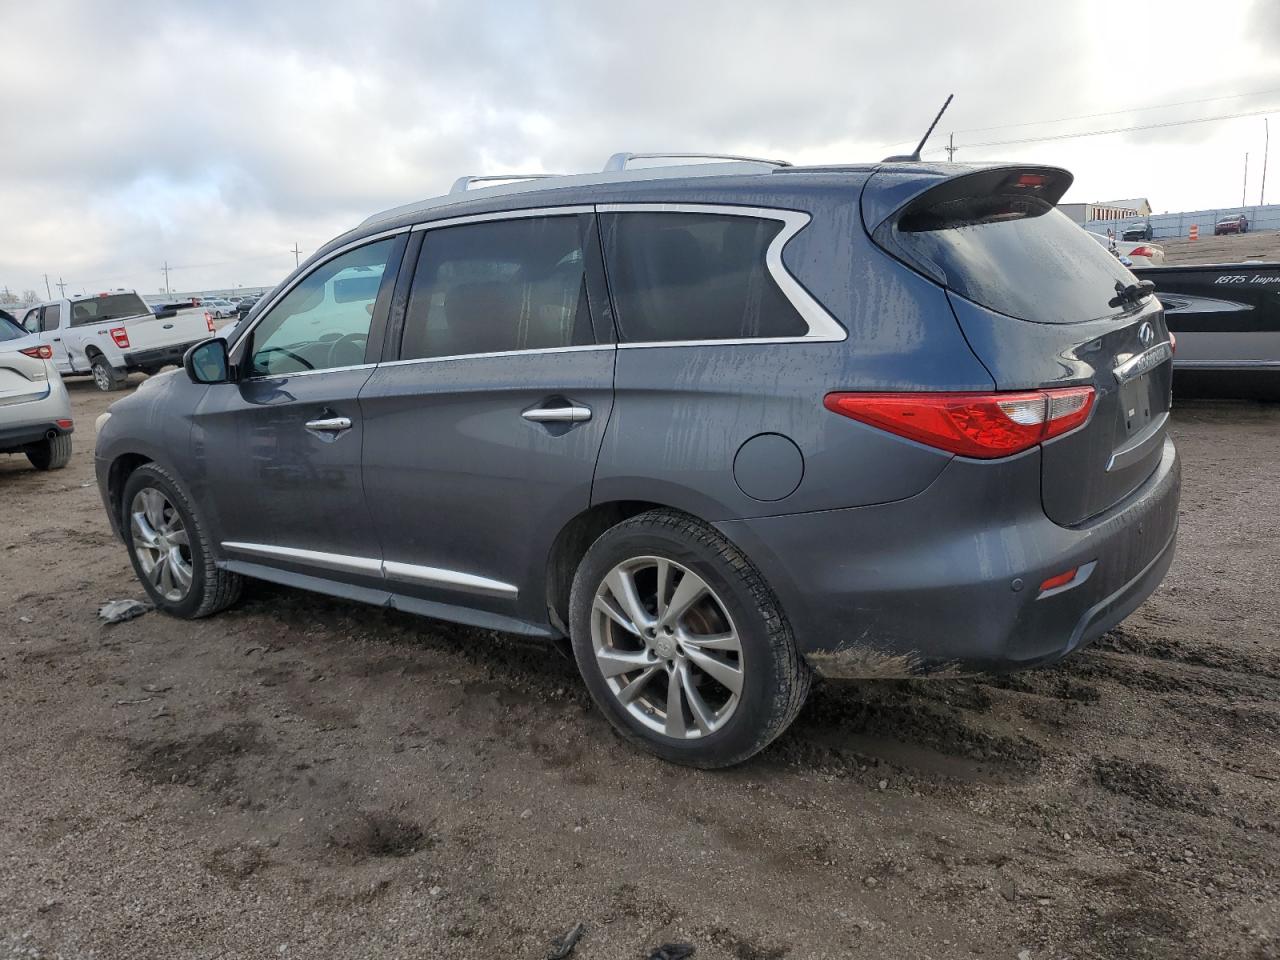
x=570 y=414
x=330 y=424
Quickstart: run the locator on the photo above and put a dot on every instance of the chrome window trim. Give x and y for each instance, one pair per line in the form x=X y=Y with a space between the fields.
x=371 y=566
x=572 y=210
x=580 y=348
x=823 y=328
x=242 y=335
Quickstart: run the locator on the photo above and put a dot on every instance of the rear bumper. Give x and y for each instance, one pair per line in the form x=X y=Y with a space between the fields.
x=16 y=437
x=159 y=357
x=947 y=582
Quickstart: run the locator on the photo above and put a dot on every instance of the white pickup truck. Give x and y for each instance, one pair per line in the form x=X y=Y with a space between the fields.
x=108 y=335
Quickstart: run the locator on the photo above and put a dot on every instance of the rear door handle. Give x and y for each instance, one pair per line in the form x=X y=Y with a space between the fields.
x=330 y=424
x=570 y=414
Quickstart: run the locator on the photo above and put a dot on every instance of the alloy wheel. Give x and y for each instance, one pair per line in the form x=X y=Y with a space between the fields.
x=102 y=377
x=161 y=543
x=667 y=648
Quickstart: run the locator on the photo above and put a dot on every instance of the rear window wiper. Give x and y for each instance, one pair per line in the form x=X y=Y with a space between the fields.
x=1131 y=293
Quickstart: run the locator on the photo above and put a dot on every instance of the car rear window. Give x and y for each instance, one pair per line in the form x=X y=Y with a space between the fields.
x=695 y=276
x=10 y=330
x=1018 y=255
x=113 y=306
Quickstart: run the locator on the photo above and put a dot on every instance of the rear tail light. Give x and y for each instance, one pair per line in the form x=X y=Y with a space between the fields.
x=121 y=336
x=1141 y=252
x=208 y=320
x=42 y=352
x=985 y=426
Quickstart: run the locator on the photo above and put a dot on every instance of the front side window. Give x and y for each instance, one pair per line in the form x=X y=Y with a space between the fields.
x=324 y=321
x=695 y=276
x=51 y=317
x=499 y=286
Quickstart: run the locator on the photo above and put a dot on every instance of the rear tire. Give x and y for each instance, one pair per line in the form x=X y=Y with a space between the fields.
x=706 y=683
x=51 y=453
x=106 y=377
x=170 y=549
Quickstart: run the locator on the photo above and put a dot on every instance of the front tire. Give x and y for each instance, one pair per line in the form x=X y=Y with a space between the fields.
x=52 y=453
x=106 y=377
x=681 y=642
x=169 y=548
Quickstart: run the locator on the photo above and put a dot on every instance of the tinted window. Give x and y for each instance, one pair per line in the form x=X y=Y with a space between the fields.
x=50 y=317
x=10 y=330
x=323 y=322
x=695 y=276
x=505 y=285
x=1017 y=255
x=116 y=306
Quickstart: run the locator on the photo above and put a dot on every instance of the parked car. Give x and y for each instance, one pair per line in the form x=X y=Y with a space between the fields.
x=108 y=335
x=219 y=309
x=1227 y=320
x=1234 y=223
x=723 y=470
x=1131 y=254
x=1137 y=231
x=35 y=411
x=245 y=305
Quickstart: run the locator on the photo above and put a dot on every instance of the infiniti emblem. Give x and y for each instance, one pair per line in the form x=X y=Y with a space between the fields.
x=1146 y=334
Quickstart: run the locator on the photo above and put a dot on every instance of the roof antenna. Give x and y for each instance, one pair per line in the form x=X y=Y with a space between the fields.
x=914 y=156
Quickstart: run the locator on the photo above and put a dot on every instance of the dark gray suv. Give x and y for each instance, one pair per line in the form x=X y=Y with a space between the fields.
x=722 y=426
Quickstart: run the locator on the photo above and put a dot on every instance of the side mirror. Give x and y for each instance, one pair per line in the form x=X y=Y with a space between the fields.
x=207 y=362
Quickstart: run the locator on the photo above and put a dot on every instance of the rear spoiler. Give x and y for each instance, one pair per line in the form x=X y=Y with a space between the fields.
x=901 y=190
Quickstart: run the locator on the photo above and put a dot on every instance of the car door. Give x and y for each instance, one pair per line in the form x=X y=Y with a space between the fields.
x=481 y=436
x=49 y=323
x=278 y=451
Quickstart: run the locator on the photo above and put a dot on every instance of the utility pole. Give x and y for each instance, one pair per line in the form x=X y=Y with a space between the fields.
x=1245 y=188
x=1266 y=127
x=165 y=271
x=62 y=287
x=296 y=255
x=951 y=148
x=47 y=291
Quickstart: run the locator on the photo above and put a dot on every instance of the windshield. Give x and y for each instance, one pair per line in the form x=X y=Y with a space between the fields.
x=1018 y=255
x=113 y=306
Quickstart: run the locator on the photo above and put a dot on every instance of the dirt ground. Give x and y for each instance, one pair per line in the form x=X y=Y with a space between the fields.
x=303 y=777
x=1232 y=248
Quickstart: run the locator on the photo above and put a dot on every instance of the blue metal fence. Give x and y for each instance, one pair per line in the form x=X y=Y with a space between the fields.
x=1169 y=225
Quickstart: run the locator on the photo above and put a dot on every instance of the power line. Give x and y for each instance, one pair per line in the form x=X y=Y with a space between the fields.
x=1116 y=113
x=1099 y=133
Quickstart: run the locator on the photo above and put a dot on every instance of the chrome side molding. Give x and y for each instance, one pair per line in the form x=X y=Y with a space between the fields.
x=372 y=567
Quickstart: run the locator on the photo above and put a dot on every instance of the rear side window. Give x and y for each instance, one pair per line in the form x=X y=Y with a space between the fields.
x=499 y=286
x=695 y=276
x=115 y=306
x=1017 y=255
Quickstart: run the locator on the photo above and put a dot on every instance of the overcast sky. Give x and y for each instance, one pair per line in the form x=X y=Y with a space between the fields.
x=217 y=135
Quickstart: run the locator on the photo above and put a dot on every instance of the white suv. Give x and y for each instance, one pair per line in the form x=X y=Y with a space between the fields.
x=35 y=411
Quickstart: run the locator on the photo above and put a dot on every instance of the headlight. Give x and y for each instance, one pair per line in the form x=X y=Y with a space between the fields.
x=101 y=421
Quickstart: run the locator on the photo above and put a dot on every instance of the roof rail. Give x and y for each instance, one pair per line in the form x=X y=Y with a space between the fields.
x=462 y=184
x=619 y=161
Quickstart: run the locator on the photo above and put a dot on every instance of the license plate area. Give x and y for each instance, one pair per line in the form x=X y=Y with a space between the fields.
x=1138 y=404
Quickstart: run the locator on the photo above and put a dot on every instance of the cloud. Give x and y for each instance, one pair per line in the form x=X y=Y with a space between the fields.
x=216 y=137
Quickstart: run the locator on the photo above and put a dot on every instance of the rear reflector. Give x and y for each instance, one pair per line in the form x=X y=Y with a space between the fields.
x=985 y=426
x=121 y=336
x=42 y=352
x=1061 y=580
x=64 y=424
